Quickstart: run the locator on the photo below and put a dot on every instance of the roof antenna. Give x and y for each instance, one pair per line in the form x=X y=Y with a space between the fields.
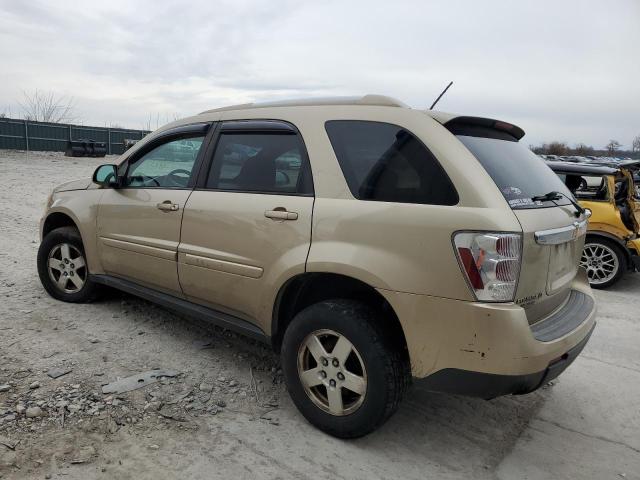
x=440 y=96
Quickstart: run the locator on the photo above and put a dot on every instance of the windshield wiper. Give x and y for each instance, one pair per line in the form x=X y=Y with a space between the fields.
x=551 y=196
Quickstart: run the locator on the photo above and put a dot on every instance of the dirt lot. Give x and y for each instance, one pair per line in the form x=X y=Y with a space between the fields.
x=226 y=413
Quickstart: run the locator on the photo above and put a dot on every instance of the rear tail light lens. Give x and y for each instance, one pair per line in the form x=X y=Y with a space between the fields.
x=491 y=263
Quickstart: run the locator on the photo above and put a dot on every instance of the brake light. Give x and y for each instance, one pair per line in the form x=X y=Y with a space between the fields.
x=491 y=263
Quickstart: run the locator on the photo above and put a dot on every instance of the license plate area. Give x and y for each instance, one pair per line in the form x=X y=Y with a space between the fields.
x=563 y=265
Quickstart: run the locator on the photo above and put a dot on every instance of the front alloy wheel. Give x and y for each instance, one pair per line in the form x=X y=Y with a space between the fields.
x=62 y=266
x=67 y=268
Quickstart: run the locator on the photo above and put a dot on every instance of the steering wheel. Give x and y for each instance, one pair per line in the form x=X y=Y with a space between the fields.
x=143 y=179
x=176 y=178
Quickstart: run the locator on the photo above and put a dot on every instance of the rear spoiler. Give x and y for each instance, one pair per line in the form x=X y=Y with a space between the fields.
x=484 y=127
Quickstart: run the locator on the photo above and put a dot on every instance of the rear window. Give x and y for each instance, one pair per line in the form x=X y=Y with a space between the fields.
x=385 y=162
x=517 y=171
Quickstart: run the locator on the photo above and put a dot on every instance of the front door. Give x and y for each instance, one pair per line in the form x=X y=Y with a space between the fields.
x=139 y=223
x=248 y=226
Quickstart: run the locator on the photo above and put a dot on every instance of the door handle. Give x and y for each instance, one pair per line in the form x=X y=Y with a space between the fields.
x=168 y=206
x=281 y=214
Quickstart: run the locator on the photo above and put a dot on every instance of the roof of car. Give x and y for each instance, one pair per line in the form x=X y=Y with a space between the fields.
x=628 y=164
x=445 y=118
x=582 y=168
x=373 y=100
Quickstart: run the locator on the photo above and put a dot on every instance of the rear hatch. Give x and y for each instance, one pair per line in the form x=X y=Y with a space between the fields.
x=553 y=237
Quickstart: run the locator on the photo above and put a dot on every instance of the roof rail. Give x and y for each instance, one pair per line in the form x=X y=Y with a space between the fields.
x=373 y=100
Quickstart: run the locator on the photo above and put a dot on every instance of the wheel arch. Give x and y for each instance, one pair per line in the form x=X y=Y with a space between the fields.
x=56 y=220
x=308 y=288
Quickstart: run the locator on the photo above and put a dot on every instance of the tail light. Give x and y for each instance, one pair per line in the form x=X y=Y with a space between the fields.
x=491 y=263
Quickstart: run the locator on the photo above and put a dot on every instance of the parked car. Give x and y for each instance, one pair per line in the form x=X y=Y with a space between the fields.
x=400 y=244
x=607 y=189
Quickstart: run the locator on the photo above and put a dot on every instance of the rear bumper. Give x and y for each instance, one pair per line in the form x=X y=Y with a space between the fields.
x=490 y=349
x=488 y=385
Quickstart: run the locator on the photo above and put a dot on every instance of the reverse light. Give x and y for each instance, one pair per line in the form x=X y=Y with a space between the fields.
x=491 y=263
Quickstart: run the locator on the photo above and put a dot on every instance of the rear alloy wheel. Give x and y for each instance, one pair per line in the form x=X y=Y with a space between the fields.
x=604 y=261
x=343 y=370
x=332 y=372
x=62 y=266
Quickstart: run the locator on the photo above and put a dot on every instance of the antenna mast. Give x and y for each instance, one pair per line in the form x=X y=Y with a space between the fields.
x=440 y=96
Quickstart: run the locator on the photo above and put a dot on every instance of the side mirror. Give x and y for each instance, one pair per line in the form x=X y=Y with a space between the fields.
x=106 y=176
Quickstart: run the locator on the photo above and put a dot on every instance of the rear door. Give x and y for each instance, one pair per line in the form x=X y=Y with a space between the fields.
x=138 y=224
x=247 y=225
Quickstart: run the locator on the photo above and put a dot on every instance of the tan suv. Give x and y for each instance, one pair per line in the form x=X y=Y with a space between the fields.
x=368 y=242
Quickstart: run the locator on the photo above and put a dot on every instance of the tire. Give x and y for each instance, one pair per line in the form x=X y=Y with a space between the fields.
x=385 y=367
x=608 y=249
x=77 y=286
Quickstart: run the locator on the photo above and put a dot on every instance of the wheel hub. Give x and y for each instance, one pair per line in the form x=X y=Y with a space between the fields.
x=600 y=261
x=67 y=268
x=332 y=372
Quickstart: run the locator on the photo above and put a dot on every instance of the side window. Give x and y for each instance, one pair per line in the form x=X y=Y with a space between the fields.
x=168 y=165
x=258 y=162
x=387 y=163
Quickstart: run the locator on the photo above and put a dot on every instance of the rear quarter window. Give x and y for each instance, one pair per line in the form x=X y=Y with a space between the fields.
x=387 y=163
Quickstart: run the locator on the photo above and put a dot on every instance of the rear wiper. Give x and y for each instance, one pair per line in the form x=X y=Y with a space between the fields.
x=551 y=196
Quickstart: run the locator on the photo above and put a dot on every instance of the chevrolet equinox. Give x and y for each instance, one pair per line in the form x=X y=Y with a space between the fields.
x=369 y=243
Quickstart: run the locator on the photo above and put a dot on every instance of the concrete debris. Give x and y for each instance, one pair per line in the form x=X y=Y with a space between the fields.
x=137 y=381
x=5 y=388
x=10 y=444
x=34 y=412
x=58 y=372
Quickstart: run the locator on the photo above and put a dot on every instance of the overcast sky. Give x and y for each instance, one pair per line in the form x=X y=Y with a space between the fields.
x=564 y=70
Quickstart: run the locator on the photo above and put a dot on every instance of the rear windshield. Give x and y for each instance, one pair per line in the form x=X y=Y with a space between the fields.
x=517 y=171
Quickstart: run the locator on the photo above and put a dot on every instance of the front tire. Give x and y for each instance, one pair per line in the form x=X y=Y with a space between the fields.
x=604 y=260
x=342 y=371
x=62 y=266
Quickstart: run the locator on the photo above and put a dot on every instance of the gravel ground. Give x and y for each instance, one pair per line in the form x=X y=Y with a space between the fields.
x=226 y=414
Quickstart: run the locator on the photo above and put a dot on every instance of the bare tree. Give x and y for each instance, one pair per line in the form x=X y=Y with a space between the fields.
x=159 y=121
x=556 y=148
x=613 y=146
x=583 y=150
x=635 y=145
x=47 y=107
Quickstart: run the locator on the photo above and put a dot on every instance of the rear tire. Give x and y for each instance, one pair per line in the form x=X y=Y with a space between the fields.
x=62 y=266
x=604 y=260
x=374 y=366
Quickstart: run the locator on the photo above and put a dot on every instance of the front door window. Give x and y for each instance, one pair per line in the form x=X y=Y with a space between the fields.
x=168 y=165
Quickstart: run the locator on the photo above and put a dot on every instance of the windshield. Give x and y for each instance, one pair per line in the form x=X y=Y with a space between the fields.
x=517 y=171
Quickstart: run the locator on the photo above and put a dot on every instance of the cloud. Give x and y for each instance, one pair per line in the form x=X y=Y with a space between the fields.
x=561 y=70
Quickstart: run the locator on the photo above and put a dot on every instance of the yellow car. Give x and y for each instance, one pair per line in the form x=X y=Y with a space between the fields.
x=607 y=189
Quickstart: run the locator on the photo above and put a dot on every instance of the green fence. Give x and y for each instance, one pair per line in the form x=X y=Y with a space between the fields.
x=18 y=134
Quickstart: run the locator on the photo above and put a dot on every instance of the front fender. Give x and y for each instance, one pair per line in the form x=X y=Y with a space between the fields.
x=81 y=206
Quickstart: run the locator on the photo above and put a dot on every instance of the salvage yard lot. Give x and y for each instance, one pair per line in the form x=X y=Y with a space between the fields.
x=227 y=414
